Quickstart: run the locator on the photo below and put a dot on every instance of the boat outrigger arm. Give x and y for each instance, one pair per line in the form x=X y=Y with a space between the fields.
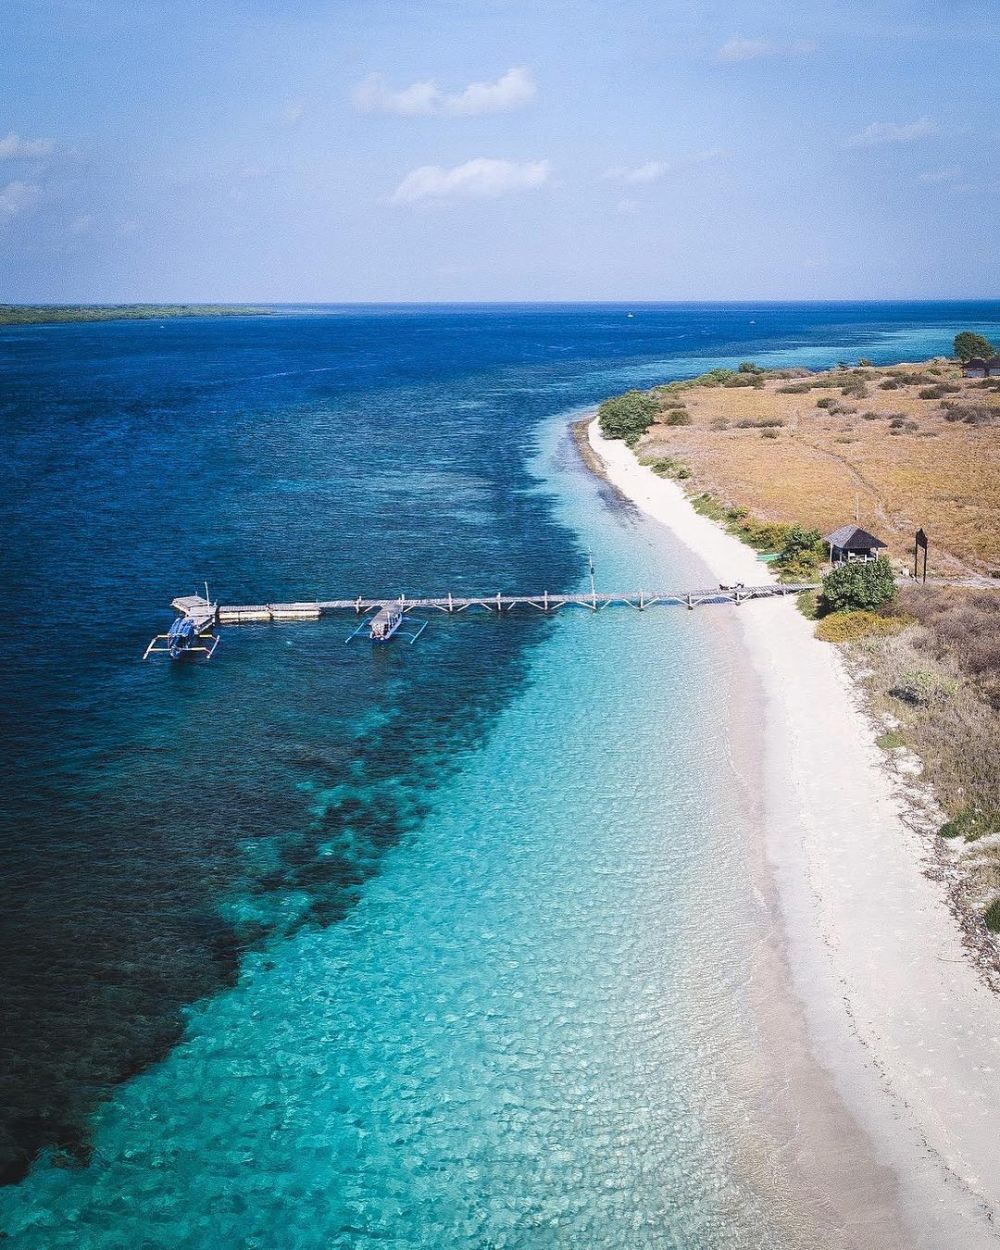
x=386 y=623
x=191 y=633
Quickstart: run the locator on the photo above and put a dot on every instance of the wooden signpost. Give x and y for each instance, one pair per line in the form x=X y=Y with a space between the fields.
x=919 y=542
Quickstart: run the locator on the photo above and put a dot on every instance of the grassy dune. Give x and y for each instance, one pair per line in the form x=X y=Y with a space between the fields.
x=911 y=445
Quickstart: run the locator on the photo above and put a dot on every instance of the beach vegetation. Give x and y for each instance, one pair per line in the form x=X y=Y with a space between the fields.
x=627 y=416
x=714 y=377
x=859 y=585
x=971 y=824
x=969 y=345
x=795 y=388
x=666 y=466
x=807 y=602
x=749 y=366
x=676 y=416
x=865 y=363
x=992 y=916
x=852 y=626
x=891 y=740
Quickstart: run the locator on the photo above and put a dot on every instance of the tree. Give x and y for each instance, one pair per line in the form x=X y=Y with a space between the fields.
x=859 y=585
x=969 y=345
x=627 y=416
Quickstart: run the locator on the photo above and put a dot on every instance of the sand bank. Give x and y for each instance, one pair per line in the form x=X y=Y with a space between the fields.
x=895 y=1009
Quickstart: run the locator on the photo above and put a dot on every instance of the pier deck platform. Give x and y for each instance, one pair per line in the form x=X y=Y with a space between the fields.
x=238 y=614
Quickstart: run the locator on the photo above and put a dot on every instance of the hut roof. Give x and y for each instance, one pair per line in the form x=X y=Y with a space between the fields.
x=853 y=538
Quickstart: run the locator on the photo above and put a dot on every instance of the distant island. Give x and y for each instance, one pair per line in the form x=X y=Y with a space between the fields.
x=43 y=314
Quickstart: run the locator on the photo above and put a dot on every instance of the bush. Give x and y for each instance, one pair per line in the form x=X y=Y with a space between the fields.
x=992 y=916
x=968 y=345
x=890 y=384
x=748 y=366
x=859 y=585
x=676 y=416
x=853 y=626
x=796 y=388
x=769 y=433
x=827 y=402
x=865 y=363
x=627 y=416
x=668 y=467
x=714 y=377
x=970 y=824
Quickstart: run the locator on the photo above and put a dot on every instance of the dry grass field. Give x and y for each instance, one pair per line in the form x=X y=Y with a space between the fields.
x=911 y=445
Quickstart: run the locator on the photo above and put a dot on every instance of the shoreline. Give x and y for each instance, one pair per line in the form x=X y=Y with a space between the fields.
x=895 y=1010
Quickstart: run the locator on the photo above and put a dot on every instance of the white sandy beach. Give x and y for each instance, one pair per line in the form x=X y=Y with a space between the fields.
x=895 y=1009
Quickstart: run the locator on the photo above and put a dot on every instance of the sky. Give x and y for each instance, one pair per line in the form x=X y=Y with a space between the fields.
x=409 y=150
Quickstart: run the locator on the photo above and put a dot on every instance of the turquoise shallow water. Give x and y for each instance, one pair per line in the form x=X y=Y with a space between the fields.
x=518 y=1035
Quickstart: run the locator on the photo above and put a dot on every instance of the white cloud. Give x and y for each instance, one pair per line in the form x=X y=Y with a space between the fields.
x=949 y=174
x=891 y=132
x=740 y=49
x=17 y=197
x=482 y=178
x=647 y=172
x=651 y=171
x=426 y=99
x=15 y=148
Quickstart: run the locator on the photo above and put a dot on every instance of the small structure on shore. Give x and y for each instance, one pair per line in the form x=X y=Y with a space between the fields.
x=851 y=542
x=978 y=367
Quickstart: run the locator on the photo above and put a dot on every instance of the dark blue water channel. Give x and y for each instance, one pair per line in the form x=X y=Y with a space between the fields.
x=156 y=819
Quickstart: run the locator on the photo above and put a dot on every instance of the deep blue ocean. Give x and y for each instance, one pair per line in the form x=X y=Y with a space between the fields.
x=320 y=945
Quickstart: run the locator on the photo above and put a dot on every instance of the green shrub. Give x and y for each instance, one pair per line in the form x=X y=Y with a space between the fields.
x=968 y=345
x=855 y=625
x=676 y=416
x=666 y=466
x=992 y=916
x=890 y=384
x=748 y=366
x=859 y=585
x=627 y=416
x=807 y=602
x=865 y=363
x=714 y=377
x=970 y=823
x=827 y=402
x=890 y=740
x=796 y=388
x=769 y=433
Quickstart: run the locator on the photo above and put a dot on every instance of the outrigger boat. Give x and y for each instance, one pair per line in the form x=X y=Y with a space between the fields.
x=385 y=624
x=191 y=633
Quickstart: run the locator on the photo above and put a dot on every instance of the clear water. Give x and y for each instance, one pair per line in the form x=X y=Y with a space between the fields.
x=320 y=946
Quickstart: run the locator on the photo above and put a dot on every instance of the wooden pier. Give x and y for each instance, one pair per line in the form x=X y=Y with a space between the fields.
x=499 y=603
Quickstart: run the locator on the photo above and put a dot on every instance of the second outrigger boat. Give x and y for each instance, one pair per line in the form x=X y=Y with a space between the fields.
x=386 y=623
